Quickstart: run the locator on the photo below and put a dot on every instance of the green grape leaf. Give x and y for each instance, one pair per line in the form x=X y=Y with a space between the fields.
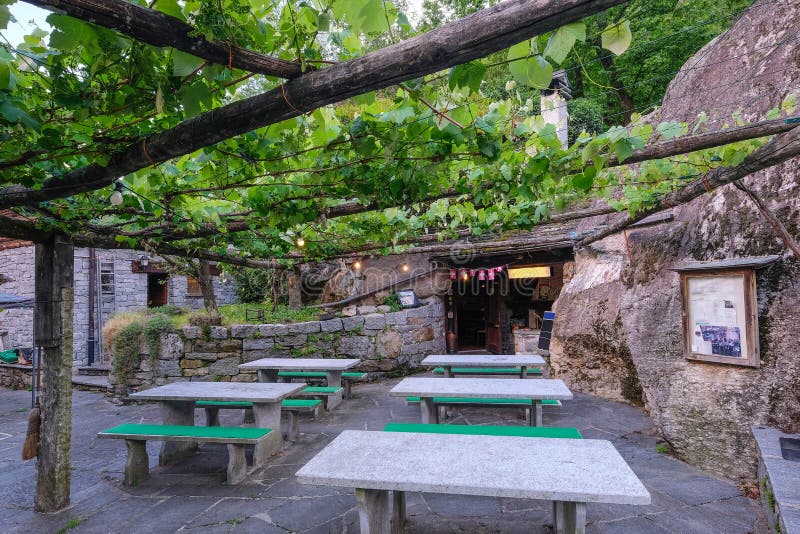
x=563 y=39
x=617 y=38
x=184 y=64
x=467 y=75
x=671 y=129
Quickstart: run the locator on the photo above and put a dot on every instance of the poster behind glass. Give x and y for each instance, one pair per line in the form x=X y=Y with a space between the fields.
x=717 y=316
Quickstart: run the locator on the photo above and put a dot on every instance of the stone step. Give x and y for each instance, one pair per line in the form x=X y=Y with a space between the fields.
x=90 y=382
x=94 y=370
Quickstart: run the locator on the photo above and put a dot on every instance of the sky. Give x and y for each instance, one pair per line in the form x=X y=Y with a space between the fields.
x=26 y=13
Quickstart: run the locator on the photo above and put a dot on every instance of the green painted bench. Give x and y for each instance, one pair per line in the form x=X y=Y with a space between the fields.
x=136 y=436
x=488 y=371
x=331 y=394
x=527 y=404
x=522 y=431
x=348 y=377
x=292 y=407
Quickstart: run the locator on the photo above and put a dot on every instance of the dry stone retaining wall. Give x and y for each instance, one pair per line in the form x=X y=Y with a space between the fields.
x=383 y=341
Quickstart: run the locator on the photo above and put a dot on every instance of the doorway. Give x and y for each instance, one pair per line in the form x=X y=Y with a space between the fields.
x=157 y=290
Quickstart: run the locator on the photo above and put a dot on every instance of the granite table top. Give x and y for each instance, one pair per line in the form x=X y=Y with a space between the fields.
x=484 y=360
x=553 y=469
x=483 y=388
x=302 y=364
x=220 y=391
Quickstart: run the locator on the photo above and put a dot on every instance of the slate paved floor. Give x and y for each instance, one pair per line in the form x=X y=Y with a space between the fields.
x=191 y=496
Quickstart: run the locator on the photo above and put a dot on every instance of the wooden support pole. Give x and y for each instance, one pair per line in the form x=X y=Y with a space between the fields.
x=776 y=224
x=54 y=302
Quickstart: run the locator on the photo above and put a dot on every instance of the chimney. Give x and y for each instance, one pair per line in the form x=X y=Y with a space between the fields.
x=554 y=104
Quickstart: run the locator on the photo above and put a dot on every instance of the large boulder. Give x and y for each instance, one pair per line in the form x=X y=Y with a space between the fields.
x=619 y=333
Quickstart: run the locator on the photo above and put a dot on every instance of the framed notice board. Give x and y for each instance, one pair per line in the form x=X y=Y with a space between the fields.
x=720 y=311
x=720 y=323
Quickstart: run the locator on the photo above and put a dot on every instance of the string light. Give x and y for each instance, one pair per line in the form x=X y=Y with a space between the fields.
x=301 y=242
x=116 y=197
x=357 y=265
x=405 y=267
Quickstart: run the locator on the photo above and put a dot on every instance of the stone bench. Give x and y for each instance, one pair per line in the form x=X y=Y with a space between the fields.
x=293 y=407
x=332 y=395
x=347 y=378
x=488 y=430
x=527 y=404
x=136 y=436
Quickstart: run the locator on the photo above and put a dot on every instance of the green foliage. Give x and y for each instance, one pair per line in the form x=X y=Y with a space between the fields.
x=255 y=285
x=153 y=328
x=393 y=301
x=72 y=523
x=237 y=314
x=125 y=356
x=81 y=95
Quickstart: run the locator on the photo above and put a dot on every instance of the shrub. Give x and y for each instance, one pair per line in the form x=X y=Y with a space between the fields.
x=205 y=318
x=255 y=285
x=393 y=301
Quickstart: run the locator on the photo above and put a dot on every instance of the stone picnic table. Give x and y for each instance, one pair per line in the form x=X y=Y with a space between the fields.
x=568 y=472
x=480 y=388
x=177 y=403
x=268 y=368
x=448 y=361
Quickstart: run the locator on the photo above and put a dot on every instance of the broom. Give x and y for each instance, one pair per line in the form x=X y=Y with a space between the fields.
x=30 y=449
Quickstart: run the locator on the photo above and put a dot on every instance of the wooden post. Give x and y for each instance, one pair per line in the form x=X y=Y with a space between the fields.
x=54 y=302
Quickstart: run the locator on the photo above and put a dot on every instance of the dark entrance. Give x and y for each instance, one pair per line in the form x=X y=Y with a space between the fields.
x=157 y=290
x=487 y=313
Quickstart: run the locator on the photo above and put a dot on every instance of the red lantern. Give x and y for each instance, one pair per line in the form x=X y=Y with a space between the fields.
x=481 y=275
x=453 y=274
x=491 y=274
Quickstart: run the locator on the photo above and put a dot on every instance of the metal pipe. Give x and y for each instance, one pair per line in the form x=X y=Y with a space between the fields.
x=92 y=277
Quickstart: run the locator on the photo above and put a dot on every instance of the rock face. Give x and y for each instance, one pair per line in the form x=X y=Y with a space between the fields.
x=618 y=331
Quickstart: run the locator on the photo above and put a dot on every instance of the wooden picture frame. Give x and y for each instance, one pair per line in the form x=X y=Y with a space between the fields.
x=720 y=316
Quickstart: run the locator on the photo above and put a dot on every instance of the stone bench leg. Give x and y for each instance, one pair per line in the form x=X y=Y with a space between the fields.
x=374 y=512
x=348 y=389
x=137 y=466
x=294 y=426
x=212 y=416
x=268 y=415
x=237 y=463
x=533 y=415
x=248 y=418
x=429 y=411
x=332 y=401
x=569 y=517
x=177 y=413
x=398 y=511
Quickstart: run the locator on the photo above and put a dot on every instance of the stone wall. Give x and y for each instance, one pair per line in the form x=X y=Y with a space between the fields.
x=384 y=342
x=618 y=330
x=15 y=376
x=130 y=293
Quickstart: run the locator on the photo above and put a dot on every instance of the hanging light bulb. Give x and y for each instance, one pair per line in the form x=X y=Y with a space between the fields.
x=357 y=265
x=301 y=242
x=116 y=198
x=405 y=267
x=465 y=276
x=231 y=249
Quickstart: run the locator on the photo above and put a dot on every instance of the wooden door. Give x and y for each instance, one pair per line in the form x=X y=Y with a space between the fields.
x=494 y=329
x=157 y=291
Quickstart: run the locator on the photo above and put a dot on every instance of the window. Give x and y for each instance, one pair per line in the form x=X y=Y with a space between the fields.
x=193 y=287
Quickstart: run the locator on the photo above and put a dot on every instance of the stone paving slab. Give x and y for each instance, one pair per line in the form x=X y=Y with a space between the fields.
x=191 y=496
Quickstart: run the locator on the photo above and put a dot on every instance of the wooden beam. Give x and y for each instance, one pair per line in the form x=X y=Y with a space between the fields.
x=781 y=148
x=159 y=29
x=472 y=37
x=781 y=230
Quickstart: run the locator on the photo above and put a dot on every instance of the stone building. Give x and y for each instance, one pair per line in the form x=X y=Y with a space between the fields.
x=121 y=283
